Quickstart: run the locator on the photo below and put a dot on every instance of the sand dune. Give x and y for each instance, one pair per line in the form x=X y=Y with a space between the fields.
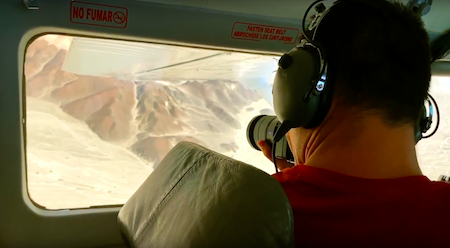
x=68 y=165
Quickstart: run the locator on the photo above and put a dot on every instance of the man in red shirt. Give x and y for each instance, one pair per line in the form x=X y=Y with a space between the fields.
x=357 y=182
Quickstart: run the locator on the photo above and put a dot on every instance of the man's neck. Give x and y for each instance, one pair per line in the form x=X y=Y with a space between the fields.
x=367 y=148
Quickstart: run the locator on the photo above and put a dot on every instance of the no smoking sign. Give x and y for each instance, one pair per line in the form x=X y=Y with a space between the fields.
x=98 y=15
x=119 y=17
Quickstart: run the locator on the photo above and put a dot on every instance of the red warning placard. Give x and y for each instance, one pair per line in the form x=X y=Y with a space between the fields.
x=98 y=14
x=259 y=32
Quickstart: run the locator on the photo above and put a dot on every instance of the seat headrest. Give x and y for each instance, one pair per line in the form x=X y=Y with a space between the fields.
x=199 y=198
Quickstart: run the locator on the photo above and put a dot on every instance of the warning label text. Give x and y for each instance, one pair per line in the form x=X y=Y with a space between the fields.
x=248 y=31
x=98 y=14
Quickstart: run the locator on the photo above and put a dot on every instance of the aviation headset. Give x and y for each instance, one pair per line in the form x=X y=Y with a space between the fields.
x=303 y=84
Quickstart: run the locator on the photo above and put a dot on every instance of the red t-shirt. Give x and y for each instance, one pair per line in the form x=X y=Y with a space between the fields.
x=336 y=210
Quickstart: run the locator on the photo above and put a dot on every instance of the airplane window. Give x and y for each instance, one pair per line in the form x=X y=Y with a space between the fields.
x=101 y=114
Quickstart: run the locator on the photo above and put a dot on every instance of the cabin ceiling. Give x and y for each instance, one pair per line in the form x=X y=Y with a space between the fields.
x=437 y=21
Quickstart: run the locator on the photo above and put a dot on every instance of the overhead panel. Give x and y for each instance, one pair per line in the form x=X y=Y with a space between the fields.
x=436 y=20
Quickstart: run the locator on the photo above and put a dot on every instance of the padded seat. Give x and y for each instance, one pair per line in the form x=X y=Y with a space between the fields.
x=199 y=198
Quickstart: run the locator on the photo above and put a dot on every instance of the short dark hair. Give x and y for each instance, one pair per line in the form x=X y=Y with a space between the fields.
x=380 y=55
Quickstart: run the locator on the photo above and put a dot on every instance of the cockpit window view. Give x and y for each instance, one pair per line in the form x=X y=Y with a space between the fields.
x=101 y=114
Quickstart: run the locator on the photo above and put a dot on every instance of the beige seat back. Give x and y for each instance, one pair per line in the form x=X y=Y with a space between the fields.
x=199 y=198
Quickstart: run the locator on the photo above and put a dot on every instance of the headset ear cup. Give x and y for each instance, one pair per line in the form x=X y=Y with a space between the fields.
x=294 y=84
